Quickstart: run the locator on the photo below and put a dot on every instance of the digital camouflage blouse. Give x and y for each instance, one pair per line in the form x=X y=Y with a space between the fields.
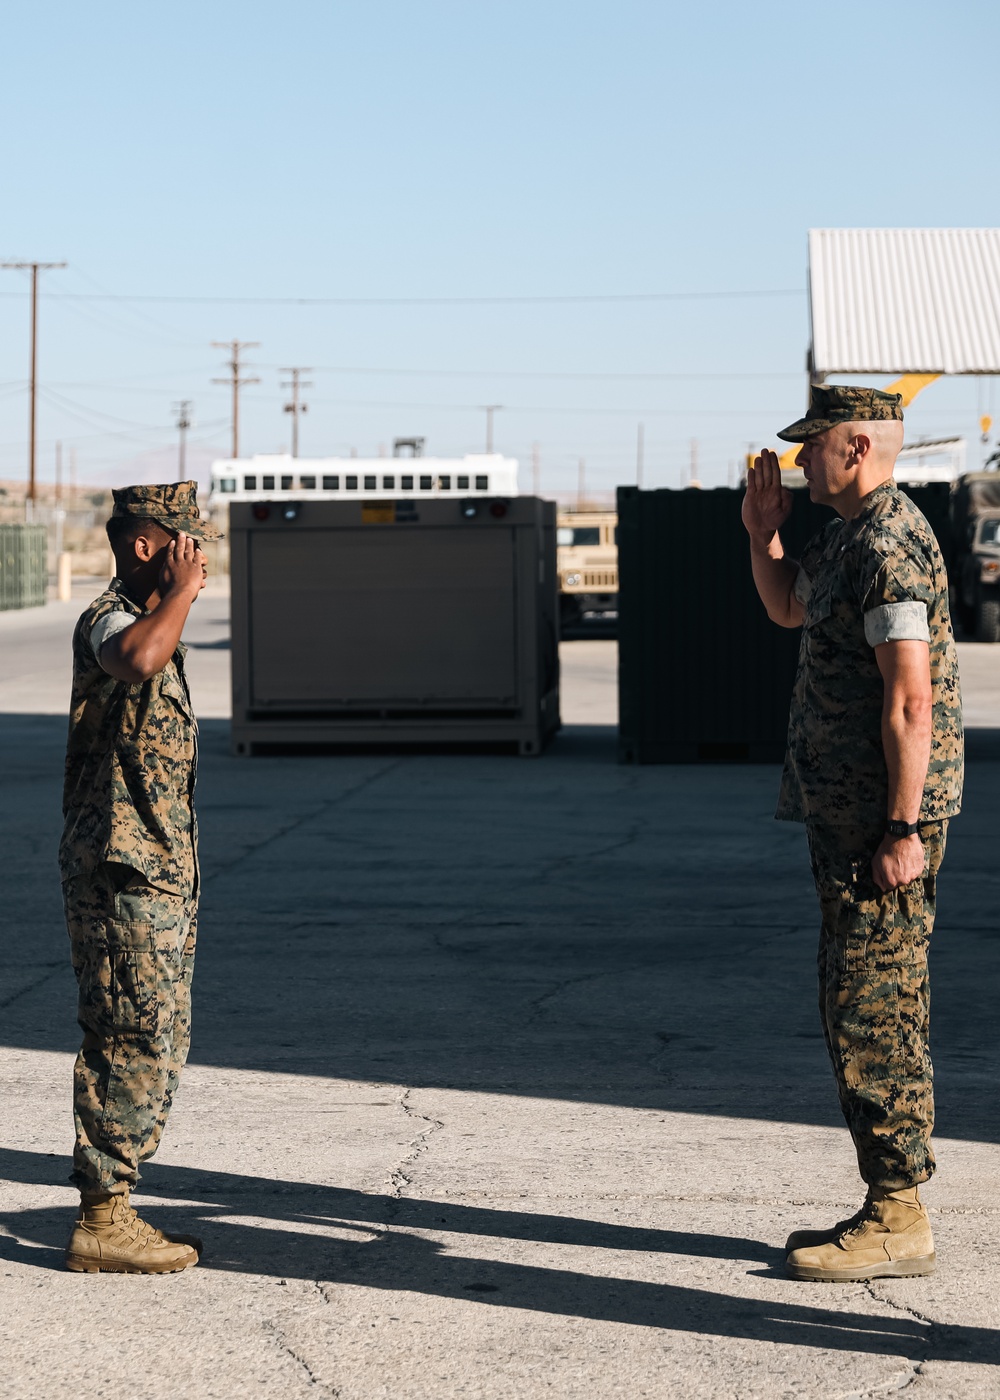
x=131 y=761
x=879 y=577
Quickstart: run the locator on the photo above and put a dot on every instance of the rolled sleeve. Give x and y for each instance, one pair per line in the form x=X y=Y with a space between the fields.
x=897 y=622
x=107 y=627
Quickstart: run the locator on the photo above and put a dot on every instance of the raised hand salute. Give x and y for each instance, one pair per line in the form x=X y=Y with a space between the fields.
x=767 y=504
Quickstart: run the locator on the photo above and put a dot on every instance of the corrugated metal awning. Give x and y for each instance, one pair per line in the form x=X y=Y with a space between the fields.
x=905 y=300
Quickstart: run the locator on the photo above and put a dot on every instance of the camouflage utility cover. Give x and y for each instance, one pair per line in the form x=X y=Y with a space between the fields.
x=173 y=505
x=131 y=760
x=842 y=403
x=835 y=769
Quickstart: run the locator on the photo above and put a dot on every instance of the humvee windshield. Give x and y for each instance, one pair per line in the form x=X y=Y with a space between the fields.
x=990 y=532
x=584 y=534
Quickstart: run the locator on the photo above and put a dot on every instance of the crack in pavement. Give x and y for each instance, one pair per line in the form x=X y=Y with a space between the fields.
x=53 y=969
x=917 y=1364
x=311 y=815
x=281 y=1341
x=550 y=867
x=397 y=1179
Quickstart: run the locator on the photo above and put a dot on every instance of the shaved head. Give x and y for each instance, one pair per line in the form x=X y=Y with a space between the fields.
x=884 y=434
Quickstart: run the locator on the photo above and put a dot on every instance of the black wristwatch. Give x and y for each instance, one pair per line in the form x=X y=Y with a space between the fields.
x=901 y=829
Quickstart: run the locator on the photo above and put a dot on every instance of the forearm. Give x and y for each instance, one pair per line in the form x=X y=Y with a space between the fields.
x=774 y=576
x=906 y=743
x=144 y=648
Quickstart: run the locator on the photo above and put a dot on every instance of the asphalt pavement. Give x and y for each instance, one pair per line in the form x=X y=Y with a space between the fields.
x=507 y=1079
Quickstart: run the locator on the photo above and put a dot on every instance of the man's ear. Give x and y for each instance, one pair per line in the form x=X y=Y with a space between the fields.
x=145 y=548
x=861 y=445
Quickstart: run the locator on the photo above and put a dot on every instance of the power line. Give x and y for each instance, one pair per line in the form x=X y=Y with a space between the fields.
x=584 y=298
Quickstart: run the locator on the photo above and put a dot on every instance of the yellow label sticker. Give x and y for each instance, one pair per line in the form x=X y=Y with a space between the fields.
x=377 y=515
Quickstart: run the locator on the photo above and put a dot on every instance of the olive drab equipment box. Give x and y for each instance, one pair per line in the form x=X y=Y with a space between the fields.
x=24 y=574
x=394 y=622
x=703 y=674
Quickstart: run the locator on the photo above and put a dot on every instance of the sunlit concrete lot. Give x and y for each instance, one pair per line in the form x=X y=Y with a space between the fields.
x=507 y=1079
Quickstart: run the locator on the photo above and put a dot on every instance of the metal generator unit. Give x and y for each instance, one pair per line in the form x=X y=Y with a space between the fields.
x=394 y=622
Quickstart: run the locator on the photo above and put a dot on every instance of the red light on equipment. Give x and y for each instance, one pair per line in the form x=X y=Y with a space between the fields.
x=498 y=509
x=261 y=512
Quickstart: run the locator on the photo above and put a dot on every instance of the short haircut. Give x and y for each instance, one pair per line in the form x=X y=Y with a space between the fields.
x=124 y=529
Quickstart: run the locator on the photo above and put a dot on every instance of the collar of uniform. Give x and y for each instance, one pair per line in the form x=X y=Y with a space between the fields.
x=118 y=586
x=874 y=499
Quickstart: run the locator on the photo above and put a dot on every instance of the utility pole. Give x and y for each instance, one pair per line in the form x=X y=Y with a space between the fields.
x=694 y=461
x=581 y=483
x=489 y=409
x=35 y=267
x=72 y=476
x=536 y=470
x=58 y=514
x=235 y=348
x=640 y=452
x=183 y=411
x=295 y=407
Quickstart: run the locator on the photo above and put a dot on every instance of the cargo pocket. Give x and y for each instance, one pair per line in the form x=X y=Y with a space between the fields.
x=134 y=979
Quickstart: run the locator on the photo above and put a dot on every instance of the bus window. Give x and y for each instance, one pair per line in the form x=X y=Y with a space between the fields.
x=331 y=483
x=350 y=483
x=406 y=483
x=249 y=483
x=445 y=483
x=482 y=483
x=286 y=483
x=388 y=483
x=371 y=483
x=227 y=483
x=426 y=483
x=267 y=483
x=463 y=483
x=308 y=483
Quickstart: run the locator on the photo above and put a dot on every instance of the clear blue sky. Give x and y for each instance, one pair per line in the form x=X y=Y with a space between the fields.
x=464 y=150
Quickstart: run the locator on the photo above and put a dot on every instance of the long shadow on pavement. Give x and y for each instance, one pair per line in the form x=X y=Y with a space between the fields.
x=386 y=1255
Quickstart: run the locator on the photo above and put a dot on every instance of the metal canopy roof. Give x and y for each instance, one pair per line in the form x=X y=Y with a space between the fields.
x=905 y=300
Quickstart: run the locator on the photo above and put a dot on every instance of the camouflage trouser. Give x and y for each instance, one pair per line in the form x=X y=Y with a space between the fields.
x=874 y=999
x=133 y=954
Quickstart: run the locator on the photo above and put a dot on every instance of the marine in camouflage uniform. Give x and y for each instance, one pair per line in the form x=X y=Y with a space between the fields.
x=875 y=577
x=128 y=860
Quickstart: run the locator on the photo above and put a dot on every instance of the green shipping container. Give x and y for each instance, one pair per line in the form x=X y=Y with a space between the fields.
x=703 y=674
x=24 y=574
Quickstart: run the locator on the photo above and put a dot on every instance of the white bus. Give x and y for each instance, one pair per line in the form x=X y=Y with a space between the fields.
x=279 y=477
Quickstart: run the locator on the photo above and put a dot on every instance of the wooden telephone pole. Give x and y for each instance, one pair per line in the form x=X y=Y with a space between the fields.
x=235 y=348
x=296 y=406
x=35 y=267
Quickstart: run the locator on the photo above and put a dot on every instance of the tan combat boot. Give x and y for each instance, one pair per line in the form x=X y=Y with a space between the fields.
x=110 y=1238
x=808 y=1239
x=892 y=1239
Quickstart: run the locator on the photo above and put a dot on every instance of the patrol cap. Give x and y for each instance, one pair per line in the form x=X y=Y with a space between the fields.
x=842 y=403
x=174 y=506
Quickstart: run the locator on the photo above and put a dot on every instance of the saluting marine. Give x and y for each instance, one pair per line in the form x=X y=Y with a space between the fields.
x=874 y=768
x=129 y=866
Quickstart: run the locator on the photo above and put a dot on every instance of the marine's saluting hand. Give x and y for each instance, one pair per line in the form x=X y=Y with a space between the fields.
x=767 y=503
x=184 y=569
